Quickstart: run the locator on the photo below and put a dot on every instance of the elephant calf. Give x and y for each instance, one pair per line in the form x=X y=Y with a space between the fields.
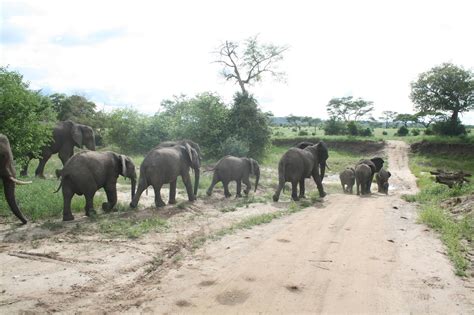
x=232 y=168
x=382 y=180
x=363 y=176
x=87 y=172
x=163 y=165
x=347 y=178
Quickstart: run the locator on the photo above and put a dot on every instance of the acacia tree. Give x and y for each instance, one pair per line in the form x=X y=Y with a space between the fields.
x=246 y=63
x=445 y=88
x=348 y=109
x=406 y=118
x=388 y=116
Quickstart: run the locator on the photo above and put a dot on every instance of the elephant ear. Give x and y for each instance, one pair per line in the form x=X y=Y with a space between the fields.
x=124 y=166
x=322 y=152
x=76 y=133
x=193 y=156
x=389 y=174
x=251 y=165
x=378 y=162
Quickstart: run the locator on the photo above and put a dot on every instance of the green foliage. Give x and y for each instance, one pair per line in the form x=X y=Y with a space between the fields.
x=352 y=128
x=402 y=131
x=384 y=133
x=249 y=124
x=406 y=118
x=26 y=117
x=348 y=109
x=445 y=88
x=234 y=146
x=447 y=128
x=415 y=132
x=302 y=133
x=334 y=127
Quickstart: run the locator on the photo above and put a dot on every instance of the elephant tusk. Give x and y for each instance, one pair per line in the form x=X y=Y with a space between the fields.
x=19 y=182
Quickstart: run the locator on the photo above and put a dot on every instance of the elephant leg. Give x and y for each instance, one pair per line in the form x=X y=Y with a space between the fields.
x=343 y=188
x=319 y=184
x=369 y=184
x=294 y=190
x=281 y=184
x=111 y=192
x=248 y=186
x=225 y=183
x=239 y=189
x=302 y=189
x=215 y=180
x=24 y=168
x=158 y=201
x=39 y=172
x=172 y=198
x=136 y=198
x=350 y=189
x=67 y=196
x=189 y=186
x=357 y=187
x=89 y=208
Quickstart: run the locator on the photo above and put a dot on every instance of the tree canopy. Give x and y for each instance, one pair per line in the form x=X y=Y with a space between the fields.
x=246 y=63
x=349 y=109
x=444 y=88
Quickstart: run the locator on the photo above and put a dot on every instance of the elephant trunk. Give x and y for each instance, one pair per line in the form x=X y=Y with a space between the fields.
x=196 y=180
x=91 y=145
x=9 y=190
x=322 y=167
x=134 y=184
x=257 y=178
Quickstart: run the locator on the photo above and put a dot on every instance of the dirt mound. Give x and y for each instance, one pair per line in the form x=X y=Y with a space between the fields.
x=443 y=148
x=460 y=206
x=363 y=146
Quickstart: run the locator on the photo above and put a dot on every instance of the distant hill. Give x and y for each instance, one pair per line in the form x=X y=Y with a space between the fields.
x=279 y=121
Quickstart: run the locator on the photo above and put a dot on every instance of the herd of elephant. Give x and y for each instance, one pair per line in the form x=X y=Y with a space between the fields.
x=88 y=171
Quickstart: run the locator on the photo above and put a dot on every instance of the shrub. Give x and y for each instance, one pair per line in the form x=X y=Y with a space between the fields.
x=384 y=133
x=234 y=146
x=367 y=132
x=334 y=127
x=402 y=131
x=447 y=128
x=429 y=132
x=415 y=132
x=314 y=133
x=294 y=129
x=303 y=133
x=352 y=128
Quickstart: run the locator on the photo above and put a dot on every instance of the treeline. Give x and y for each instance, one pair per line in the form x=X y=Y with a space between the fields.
x=239 y=128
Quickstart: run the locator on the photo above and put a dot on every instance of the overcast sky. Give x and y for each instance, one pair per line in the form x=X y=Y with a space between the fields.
x=137 y=53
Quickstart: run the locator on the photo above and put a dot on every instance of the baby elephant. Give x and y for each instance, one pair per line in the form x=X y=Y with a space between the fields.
x=382 y=180
x=231 y=168
x=347 y=178
x=87 y=172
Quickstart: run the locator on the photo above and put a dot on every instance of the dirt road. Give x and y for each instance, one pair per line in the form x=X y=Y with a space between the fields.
x=352 y=255
x=355 y=255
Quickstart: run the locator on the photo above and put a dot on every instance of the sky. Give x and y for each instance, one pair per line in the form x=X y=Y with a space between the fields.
x=138 y=53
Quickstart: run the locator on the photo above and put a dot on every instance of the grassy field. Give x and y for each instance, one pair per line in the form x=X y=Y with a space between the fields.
x=457 y=232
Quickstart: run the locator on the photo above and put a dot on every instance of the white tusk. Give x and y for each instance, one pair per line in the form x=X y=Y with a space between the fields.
x=19 y=182
x=123 y=165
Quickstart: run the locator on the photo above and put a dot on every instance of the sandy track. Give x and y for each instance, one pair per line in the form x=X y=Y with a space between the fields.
x=355 y=255
x=364 y=255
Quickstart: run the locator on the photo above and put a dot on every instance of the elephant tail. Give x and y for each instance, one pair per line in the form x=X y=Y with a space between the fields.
x=281 y=174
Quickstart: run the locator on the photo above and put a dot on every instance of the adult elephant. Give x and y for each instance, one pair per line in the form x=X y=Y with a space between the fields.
x=375 y=165
x=163 y=165
x=195 y=146
x=322 y=165
x=66 y=135
x=8 y=175
x=231 y=168
x=86 y=172
x=298 y=164
x=363 y=173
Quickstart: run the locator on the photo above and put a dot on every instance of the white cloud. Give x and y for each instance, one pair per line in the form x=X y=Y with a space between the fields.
x=371 y=49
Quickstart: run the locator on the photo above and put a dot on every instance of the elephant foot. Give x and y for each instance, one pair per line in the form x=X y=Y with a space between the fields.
x=209 y=193
x=295 y=198
x=302 y=197
x=275 y=198
x=160 y=204
x=68 y=217
x=133 y=205
x=227 y=195
x=172 y=201
x=322 y=194
x=106 y=207
x=238 y=196
x=246 y=192
x=193 y=198
x=91 y=213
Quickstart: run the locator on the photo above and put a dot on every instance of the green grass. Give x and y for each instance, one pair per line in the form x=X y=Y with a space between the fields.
x=454 y=231
x=131 y=228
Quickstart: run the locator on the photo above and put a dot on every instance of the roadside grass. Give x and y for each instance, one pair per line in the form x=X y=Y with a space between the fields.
x=457 y=233
x=131 y=228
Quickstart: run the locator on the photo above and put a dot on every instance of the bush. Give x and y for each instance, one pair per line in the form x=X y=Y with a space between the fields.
x=367 y=132
x=334 y=127
x=313 y=133
x=429 y=132
x=234 y=146
x=402 y=131
x=352 y=128
x=303 y=133
x=447 y=128
x=384 y=133
x=294 y=129
x=415 y=132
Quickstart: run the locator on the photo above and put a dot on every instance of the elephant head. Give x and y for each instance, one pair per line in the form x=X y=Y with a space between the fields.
x=8 y=175
x=378 y=162
x=127 y=169
x=254 y=170
x=83 y=135
x=194 y=163
x=322 y=154
x=303 y=144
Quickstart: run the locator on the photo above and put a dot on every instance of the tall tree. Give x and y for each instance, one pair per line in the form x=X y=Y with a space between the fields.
x=445 y=88
x=388 y=116
x=295 y=121
x=246 y=63
x=348 y=109
x=406 y=118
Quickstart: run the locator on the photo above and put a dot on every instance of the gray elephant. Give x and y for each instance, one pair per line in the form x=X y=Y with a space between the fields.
x=382 y=180
x=232 y=168
x=193 y=145
x=163 y=165
x=375 y=165
x=363 y=174
x=86 y=172
x=347 y=178
x=66 y=135
x=304 y=144
x=8 y=175
x=298 y=164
